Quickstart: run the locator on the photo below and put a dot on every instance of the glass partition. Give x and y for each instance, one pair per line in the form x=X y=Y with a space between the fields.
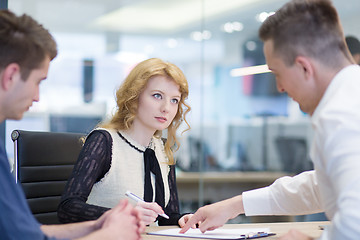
x=244 y=134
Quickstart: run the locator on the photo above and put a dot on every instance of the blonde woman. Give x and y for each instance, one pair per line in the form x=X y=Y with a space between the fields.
x=128 y=152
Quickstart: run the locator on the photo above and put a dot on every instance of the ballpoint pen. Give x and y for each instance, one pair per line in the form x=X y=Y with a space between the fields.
x=257 y=235
x=138 y=199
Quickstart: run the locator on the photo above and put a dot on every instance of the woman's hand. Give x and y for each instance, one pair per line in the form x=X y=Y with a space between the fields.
x=149 y=211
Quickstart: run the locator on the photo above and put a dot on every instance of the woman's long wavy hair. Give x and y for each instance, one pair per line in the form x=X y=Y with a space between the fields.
x=127 y=98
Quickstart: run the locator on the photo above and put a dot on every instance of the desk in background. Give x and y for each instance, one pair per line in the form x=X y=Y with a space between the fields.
x=218 y=186
x=309 y=228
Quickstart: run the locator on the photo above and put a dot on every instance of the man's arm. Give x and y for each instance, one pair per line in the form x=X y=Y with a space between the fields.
x=277 y=199
x=121 y=222
x=297 y=195
x=71 y=230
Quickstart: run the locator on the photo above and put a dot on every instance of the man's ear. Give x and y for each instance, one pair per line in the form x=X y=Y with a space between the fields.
x=305 y=66
x=9 y=75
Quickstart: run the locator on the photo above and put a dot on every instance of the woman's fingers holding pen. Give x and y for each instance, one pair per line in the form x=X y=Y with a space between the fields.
x=153 y=206
x=148 y=216
x=150 y=211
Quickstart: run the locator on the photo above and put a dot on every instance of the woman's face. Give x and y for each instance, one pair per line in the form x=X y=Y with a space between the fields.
x=158 y=104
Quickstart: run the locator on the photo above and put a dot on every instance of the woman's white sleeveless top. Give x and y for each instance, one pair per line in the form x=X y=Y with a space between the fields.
x=126 y=172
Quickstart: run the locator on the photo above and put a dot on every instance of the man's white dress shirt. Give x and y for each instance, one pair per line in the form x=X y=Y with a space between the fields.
x=334 y=185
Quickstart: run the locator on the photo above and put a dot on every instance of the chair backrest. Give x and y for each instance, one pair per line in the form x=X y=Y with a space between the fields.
x=43 y=164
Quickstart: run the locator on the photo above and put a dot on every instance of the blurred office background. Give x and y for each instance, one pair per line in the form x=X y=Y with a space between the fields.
x=240 y=123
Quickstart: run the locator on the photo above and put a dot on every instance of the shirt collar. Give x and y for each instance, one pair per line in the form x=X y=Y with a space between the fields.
x=331 y=90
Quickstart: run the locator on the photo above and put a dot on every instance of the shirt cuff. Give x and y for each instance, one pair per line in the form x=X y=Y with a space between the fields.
x=256 y=202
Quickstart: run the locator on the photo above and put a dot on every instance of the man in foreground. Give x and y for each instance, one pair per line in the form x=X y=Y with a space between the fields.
x=26 y=49
x=305 y=48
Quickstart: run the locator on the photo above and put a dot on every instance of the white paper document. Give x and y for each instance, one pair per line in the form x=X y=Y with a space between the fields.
x=220 y=233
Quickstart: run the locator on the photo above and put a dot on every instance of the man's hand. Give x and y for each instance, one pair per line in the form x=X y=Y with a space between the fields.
x=295 y=235
x=184 y=219
x=215 y=215
x=123 y=220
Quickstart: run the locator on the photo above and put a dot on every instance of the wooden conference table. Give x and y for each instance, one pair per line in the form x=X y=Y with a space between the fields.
x=310 y=228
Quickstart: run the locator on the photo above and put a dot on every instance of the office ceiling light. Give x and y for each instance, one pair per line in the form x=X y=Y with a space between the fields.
x=172 y=43
x=199 y=36
x=251 y=45
x=164 y=16
x=129 y=57
x=231 y=27
x=239 y=72
x=149 y=49
x=261 y=17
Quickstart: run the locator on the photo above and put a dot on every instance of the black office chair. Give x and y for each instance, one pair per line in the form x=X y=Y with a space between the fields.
x=43 y=164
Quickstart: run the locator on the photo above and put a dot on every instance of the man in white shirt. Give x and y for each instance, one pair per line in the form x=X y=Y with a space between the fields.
x=305 y=48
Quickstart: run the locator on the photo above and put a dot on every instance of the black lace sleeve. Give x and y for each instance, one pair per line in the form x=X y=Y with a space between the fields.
x=93 y=162
x=172 y=208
